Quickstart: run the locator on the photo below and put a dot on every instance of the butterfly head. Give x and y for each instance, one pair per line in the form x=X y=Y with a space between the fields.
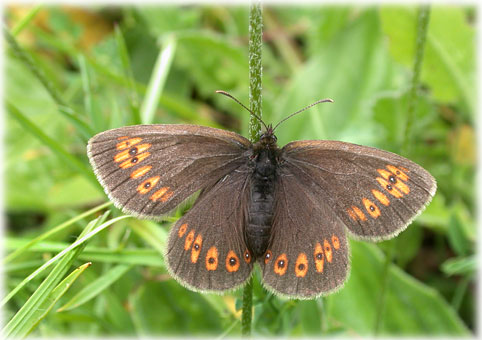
x=268 y=139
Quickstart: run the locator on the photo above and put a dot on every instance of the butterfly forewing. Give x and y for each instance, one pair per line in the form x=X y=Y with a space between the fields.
x=308 y=251
x=206 y=249
x=148 y=170
x=375 y=193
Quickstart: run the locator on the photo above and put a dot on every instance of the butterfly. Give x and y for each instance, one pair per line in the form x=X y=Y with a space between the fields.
x=286 y=208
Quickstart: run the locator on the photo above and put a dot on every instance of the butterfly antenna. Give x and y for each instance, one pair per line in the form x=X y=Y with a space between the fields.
x=237 y=101
x=327 y=100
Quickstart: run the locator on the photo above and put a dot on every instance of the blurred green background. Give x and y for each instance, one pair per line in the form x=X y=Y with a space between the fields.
x=101 y=64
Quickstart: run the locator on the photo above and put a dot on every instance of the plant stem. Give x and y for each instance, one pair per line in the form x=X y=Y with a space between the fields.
x=422 y=24
x=255 y=68
x=255 y=103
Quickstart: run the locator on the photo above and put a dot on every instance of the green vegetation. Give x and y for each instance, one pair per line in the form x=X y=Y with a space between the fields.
x=71 y=72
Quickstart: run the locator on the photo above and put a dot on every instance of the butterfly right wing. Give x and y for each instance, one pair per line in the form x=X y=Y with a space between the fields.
x=206 y=250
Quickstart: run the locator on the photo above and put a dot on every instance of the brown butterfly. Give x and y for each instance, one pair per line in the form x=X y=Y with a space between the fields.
x=283 y=208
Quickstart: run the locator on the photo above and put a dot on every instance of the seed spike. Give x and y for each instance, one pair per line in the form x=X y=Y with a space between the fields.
x=237 y=101
x=326 y=100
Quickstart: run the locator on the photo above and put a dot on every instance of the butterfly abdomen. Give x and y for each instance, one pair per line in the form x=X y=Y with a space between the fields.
x=260 y=209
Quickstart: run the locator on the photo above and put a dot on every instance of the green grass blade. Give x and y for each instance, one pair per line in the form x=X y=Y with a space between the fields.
x=151 y=234
x=53 y=298
x=158 y=78
x=58 y=149
x=78 y=242
x=60 y=227
x=27 y=60
x=96 y=287
x=95 y=120
x=21 y=323
x=126 y=66
x=134 y=256
x=82 y=127
x=26 y=20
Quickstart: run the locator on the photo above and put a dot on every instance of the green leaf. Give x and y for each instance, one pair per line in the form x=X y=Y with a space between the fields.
x=158 y=79
x=27 y=317
x=79 y=241
x=460 y=266
x=461 y=231
x=55 y=146
x=96 y=287
x=411 y=307
x=22 y=249
x=354 y=59
x=450 y=51
x=55 y=296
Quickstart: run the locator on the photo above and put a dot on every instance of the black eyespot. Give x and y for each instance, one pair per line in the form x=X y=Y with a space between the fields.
x=246 y=255
x=267 y=256
x=372 y=208
x=147 y=185
x=397 y=172
x=133 y=151
x=319 y=256
x=211 y=260
x=392 y=179
x=232 y=261
x=134 y=160
x=389 y=187
x=196 y=246
x=301 y=266
x=281 y=263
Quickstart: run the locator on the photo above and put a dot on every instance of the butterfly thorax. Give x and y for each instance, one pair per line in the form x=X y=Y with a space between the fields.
x=261 y=205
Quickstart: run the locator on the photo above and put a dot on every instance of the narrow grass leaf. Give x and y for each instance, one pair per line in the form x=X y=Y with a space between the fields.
x=96 y=287
x=126 y=66
x=25 y=20
x=54 y=297
x=158 y=78
x=95 y=120
x=21 y=323
x=460 y=266
x=134 y=256
x=78 y=242
x=82 y=127
x=22 y=249
x=151 y=234
x=56 y=148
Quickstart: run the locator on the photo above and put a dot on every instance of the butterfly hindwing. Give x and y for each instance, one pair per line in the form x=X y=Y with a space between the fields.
x=308 y=253
x=147 y=170
x=375 y=193
x=206 y=250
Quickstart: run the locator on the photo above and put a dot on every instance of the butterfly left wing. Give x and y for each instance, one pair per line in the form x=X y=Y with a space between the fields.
x=374 y=192
x=206 y=250
x=308 y=252
x=147 y=170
